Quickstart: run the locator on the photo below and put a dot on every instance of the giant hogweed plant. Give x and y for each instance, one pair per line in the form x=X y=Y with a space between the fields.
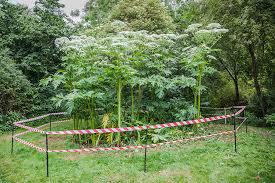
x=200 y=53
x=124 y=78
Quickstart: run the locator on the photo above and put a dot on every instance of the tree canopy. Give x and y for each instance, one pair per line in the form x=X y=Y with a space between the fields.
x=133 y=62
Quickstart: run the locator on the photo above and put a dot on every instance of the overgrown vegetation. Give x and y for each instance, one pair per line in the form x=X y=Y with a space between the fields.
x=135 y=70
x=139 y=62
x=156 y=61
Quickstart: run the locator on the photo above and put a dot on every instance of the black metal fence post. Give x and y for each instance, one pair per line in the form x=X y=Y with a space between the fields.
x=225 y=115
x=145 y=152
x=47 y=156
x=12 y=140
x=235 y=132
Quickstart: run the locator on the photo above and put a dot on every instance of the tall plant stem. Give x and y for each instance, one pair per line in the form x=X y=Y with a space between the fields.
x=195 y=98
x=119 y=87
x=78 y=127
x=139 y=100
x=92 y=116
x=199 y=89
x=74 y=121
x=133 y=103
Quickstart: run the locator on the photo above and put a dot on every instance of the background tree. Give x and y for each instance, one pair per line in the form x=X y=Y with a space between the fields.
x=98 y=11
x=148 y=15
x=27 y=47
x=248 y=46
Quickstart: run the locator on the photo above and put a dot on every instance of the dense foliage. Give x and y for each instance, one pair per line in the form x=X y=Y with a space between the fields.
x=137 y=62
x=148 y=15
x=27 y=55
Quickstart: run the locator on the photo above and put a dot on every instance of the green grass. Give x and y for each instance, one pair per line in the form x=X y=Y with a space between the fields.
x=212 y=160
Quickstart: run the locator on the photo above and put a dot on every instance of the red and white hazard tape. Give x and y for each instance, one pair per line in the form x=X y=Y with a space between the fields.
x=135 y=128
x=30 y=128
x=40 y=117
x=19 y=123
x=112 y=130
x=39 y=127
x=40 y=149
x=141 y=146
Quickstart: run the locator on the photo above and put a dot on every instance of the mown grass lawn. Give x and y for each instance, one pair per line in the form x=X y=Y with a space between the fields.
x=212 y=160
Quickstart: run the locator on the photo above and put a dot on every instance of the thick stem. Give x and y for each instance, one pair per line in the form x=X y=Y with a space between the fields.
x=119 y=86
x=195 y=97
x=93 y=120
x=119 y=102
x=234 y=76
x=139 y=98
x=199 y=89
x=133 y=103
x=237 y=94
x=74 y=120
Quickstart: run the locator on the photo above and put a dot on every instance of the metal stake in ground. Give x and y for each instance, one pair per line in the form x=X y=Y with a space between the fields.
x=225 y=115
x=235 y=132
x=12 y=140
x=145 y=152
x=47 y=157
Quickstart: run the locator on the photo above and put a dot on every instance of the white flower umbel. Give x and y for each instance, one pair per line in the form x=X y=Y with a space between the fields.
x=193 y=28
x=214 y=26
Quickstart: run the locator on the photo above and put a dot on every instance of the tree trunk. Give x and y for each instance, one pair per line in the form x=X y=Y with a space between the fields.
x=132 y=103
x=237 y=94
x=119 y=87
x=254 y=70
x=235 y=79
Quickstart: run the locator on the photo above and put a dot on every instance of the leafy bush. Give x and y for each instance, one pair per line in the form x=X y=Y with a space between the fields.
x=16 y=91
x=7 y=120
x=254 y=120
x=148 y=15
x=270 y=119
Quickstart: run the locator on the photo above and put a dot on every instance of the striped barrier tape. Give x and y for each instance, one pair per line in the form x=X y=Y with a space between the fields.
x=141 y=146
x=40 y=117
x=121 y=148
x=37 y=129
x=135 y=128
x=39 y=149
x=19 y=123
x=30 y=128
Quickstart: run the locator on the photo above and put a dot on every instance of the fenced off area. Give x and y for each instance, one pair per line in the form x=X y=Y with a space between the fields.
x=137 y=91
x=45 y=135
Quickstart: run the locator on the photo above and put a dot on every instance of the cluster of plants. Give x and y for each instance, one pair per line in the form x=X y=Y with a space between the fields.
x=130 y=78
x=134 y=62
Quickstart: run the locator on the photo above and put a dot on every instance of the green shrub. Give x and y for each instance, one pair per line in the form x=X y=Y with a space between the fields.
x=148 y=15
x=254 y=120
x=270 y=119
x=7 y=120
